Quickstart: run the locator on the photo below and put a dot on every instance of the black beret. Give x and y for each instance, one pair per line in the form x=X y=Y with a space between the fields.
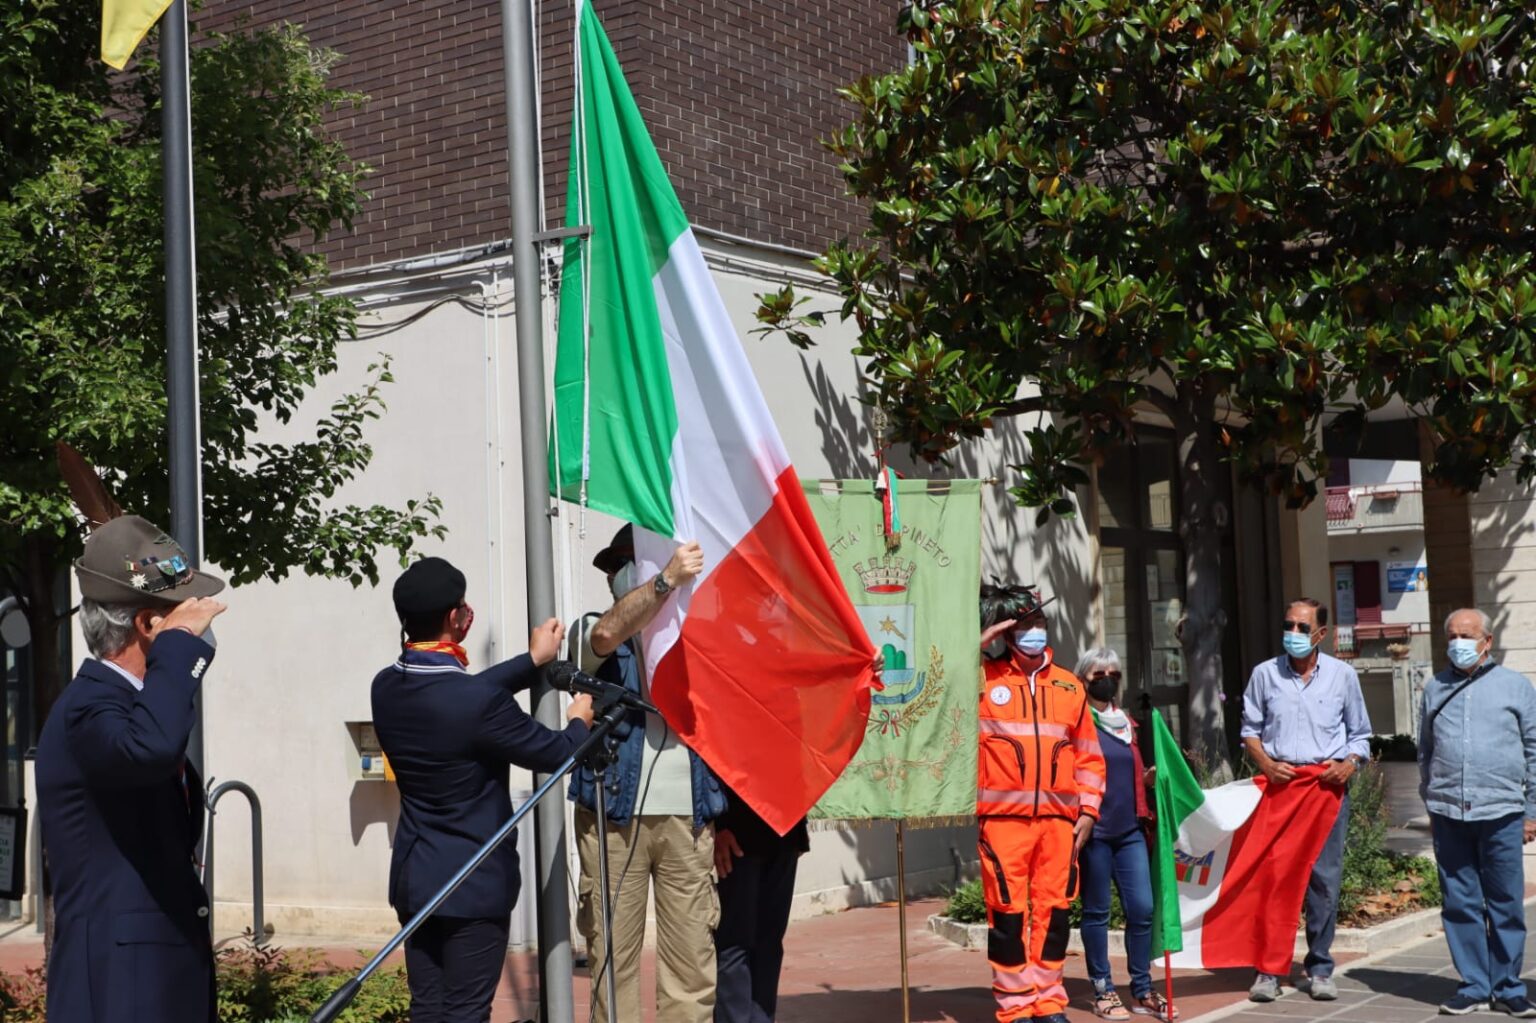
x=429 y=585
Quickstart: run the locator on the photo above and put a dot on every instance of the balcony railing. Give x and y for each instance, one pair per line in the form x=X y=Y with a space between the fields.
x=1377 y=508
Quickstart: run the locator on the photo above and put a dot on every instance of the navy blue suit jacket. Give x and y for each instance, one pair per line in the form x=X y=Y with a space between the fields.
x=121 y=816
x=449 y=737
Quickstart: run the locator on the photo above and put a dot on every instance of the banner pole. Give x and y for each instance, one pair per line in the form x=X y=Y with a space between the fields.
x=901 y=915
x=1168 y=981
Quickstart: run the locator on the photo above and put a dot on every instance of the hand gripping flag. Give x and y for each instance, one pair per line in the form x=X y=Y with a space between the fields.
x=761 y=665
x=1232 y=863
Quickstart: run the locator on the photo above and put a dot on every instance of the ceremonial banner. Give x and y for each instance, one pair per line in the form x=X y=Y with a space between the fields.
x=918 y=602
x=1231 y=865
x=759 y=664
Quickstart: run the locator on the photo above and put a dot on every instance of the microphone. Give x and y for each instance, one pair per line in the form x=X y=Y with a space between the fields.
x=566 y=677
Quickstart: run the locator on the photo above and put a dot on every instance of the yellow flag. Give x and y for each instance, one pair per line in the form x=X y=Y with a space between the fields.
x=123 y=25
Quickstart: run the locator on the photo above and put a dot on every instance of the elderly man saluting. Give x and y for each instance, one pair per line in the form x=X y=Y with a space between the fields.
x=121 y=809
x=1304 y=708
x=1477 y=771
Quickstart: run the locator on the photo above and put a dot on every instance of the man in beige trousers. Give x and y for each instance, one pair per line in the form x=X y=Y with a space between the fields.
x=661 y=802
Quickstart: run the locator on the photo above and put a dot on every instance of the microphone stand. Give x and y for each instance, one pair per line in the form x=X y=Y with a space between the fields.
x=599 y=747
x=600 y=760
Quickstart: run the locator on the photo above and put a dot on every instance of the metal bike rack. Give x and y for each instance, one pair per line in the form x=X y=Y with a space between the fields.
x=260 y=929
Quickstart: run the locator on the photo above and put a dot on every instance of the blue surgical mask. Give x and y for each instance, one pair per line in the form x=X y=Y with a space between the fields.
x=1030 y=641
x=1464 y=652
x=1297 y=644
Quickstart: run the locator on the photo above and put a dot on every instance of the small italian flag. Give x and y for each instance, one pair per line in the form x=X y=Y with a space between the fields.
x=761 y=665
x=1231 y=865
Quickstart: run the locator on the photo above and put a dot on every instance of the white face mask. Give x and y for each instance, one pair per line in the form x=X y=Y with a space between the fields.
x=623 y=580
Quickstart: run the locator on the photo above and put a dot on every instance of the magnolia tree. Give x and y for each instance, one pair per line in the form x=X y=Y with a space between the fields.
x=82 y=349
x=1246 y=218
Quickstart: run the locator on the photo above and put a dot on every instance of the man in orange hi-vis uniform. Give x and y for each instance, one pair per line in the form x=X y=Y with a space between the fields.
x=1040 y=781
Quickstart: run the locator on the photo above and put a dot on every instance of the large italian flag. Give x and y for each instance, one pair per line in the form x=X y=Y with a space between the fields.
x=761 y=665
x=1231 y=865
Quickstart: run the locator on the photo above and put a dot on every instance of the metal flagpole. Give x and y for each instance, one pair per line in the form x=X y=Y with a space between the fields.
x=901 y=915
x=1168 y=981
x=183 y=417
x=523 y=154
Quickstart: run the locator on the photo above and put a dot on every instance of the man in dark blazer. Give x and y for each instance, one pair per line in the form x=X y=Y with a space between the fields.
x=121 y=811
x=449 y=736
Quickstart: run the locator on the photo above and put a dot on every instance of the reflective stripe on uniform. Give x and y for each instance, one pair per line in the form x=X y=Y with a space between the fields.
x=1088 y=781
x=997 y=726
x=1014 y=799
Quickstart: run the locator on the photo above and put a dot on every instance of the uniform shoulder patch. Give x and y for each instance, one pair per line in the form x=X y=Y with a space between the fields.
x=1068 y=686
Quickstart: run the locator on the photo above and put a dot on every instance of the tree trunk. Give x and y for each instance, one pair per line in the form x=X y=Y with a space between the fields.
x=39 y=561
x=1205 y=620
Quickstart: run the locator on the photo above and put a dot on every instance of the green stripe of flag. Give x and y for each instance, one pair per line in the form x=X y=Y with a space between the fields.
x=635 y=217
x=1178 y=795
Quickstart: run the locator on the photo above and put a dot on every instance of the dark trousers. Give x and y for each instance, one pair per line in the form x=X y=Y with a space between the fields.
x=749 y=943
x=453 y=965
x=1322 y=905
x=1482 y=875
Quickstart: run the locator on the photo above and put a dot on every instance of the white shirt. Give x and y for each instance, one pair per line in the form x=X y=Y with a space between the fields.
x=133 y=679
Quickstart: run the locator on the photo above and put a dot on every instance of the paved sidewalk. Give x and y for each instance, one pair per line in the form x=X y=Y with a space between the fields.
x=1406 y=986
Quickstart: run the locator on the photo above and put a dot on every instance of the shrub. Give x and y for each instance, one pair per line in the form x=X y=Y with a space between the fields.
x=1372 y=874
x=966 y=904
x=256 y=985
x=269 y=985
x=22 y=999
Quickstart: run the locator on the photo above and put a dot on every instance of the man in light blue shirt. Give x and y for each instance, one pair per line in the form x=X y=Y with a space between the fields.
x=1477 y=774
x=1304 y=708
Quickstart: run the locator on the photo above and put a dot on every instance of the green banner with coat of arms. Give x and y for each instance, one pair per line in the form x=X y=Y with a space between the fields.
x=918 y=600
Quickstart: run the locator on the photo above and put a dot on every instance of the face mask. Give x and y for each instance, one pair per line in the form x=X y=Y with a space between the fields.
x=1030 y=641
x=1465 y=652
x=1102 y=689
x=623 y=580
x=1297 y=644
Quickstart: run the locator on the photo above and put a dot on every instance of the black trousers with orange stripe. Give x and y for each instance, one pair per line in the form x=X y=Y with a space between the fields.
x=1028 y=876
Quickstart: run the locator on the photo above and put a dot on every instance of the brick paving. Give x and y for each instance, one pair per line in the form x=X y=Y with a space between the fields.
x=1406 y=986
x=845 y=968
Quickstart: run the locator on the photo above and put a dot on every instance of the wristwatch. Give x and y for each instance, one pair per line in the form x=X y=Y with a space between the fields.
x=660 y=584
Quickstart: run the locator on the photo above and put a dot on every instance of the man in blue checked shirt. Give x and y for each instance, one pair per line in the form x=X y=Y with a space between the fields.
x=1304 y=708
x=1477 y=774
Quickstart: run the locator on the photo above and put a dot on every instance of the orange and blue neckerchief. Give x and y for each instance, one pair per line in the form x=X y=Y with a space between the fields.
x=441 y=647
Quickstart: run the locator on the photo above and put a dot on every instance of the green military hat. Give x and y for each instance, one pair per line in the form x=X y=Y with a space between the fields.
x=132 y=561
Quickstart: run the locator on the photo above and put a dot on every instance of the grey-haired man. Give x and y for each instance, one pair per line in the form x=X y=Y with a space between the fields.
x=1477 y=773
x=121 y=810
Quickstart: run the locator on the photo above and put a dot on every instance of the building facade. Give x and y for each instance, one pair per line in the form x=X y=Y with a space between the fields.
x=738 y=96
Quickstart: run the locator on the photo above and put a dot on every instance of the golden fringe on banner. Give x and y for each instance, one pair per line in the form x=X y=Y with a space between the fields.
x=912 y=823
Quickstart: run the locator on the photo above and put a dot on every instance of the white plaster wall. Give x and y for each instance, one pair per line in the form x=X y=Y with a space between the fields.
x=1503 y=555
x=296 y=657
x=1365 y=472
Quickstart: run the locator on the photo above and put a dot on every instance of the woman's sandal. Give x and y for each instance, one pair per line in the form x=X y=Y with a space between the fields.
x=1109 y=1006
x=1153 y=1004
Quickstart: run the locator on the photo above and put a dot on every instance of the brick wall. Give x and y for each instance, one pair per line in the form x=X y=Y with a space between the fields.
x=737 y=94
